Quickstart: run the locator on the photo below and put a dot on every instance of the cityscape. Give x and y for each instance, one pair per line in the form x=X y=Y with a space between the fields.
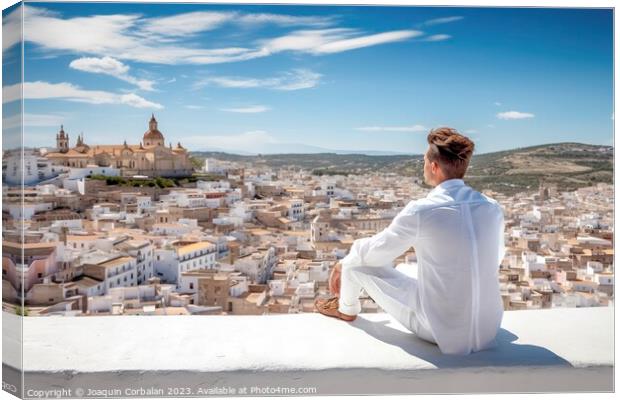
x=104 y=233
x=221 y=159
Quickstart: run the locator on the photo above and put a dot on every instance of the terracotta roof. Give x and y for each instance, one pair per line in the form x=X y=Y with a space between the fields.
x=85 y=282
x=70 y=153
x=111 y=149
x=194 y=247
x=116 y=262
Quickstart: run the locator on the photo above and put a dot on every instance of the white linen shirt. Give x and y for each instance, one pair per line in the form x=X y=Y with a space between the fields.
x=458 y=236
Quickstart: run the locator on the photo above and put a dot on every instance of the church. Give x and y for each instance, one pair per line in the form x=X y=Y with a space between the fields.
x=151 y=157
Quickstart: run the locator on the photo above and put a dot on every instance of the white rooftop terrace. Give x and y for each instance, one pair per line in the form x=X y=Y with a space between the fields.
x=553 y=350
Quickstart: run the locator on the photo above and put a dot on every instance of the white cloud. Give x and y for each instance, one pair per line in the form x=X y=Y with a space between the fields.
x=193 y=107
x=70 y=92
x=11 y=93
x=437 y=38
x=335 y=40
x=132 y=99
x=11 y=28
x=412 y=128
x=105 y=65
x=497 y=103
x=110 y=66
x=187 y=24
x=439 y=21
x=92 y=34
x=291 y=80
x=514 y=115
x=285 y=20
x=168 y=40
x=249 y=109
x=470 y=131
x=365 y=41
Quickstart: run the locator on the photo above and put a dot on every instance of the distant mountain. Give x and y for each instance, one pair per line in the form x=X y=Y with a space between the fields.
x=296 y=148
x=568 y=165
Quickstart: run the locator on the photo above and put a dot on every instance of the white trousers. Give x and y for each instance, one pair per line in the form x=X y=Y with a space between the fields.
x=394 y=291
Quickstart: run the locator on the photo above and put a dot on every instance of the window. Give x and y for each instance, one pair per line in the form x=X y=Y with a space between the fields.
x=191 y=285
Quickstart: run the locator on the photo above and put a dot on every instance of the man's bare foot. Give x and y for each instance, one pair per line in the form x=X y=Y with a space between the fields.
x=329 y=307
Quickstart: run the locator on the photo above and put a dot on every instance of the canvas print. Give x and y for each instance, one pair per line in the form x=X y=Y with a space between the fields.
x=207 y=200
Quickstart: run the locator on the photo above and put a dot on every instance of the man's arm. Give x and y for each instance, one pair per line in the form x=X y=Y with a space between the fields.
x=382 y=248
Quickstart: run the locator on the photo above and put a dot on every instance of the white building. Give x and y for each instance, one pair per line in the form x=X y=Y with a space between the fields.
x=257 y=266
x=318 y=271
x=120 y=271
x=171 y=261
x=295 y=209
x=35 y=167
x=144 y=252
x=276 y=287
x=26 y=211
x=533 y=262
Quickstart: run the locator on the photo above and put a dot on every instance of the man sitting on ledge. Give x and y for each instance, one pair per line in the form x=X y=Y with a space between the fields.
x=458 y=236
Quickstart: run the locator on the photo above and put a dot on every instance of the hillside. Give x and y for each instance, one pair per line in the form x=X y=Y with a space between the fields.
x=569 y=165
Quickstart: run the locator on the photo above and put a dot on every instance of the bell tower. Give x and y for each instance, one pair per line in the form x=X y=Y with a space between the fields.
x=62 y=141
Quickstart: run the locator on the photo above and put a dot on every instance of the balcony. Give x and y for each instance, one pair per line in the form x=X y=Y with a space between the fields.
x=557 y=350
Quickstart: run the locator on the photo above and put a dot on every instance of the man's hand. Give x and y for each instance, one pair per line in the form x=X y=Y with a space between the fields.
x=334 y=280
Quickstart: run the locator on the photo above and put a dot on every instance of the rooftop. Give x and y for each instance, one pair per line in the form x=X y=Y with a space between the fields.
x=188 y=248
x=560 y=349
x=116 y=262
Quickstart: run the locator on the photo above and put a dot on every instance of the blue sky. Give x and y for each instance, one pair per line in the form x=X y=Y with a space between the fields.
x=258 y=78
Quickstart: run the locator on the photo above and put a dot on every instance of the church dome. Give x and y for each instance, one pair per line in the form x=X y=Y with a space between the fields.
x=153 y=137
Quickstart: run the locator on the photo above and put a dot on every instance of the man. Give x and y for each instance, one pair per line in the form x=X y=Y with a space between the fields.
x=458 y=236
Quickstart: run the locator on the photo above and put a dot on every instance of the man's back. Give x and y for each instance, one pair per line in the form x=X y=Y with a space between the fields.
x=459 y=246
x=458 y=235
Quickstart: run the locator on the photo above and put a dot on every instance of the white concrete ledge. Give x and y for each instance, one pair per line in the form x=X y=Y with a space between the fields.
x=564 y=343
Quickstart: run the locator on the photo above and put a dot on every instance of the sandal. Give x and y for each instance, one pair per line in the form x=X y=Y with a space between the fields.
x=329 y=307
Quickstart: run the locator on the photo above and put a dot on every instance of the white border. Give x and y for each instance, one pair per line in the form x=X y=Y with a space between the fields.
x=452 y=3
